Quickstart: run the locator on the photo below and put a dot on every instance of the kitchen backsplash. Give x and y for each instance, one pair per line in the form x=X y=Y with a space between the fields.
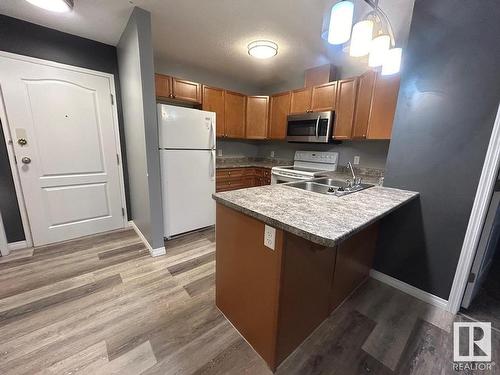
x=372 y=154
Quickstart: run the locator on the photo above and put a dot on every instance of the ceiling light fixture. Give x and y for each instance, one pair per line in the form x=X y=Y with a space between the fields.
x=338 y=29
x=262 y=49
x=392 y=62
x=341 y=16
x=378 y=48
x=58 y=6
x=362 y=35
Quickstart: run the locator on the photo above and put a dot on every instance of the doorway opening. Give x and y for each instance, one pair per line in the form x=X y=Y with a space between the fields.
x=481 y=299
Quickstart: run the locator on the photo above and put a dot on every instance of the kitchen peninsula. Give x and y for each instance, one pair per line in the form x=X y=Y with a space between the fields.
x=319 y=249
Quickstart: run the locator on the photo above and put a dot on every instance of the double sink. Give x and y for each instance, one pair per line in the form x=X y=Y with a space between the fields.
x=329 y=186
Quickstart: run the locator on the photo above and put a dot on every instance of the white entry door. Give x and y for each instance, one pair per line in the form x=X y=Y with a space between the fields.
x=63 y=131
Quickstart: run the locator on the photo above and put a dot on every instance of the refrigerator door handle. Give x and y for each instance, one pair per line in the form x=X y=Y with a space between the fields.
x=212 y=164
x=212 y=134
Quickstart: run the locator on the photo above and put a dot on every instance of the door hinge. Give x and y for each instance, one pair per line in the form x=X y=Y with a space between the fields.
x=472 y=277
x=118 y=159
x=15 y=159
x=123 y=212
x=112 y=99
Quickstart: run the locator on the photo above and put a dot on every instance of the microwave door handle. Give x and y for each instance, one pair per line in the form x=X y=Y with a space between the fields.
x=317 y=126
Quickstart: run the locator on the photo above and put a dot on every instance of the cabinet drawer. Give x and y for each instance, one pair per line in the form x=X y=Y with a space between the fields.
x=234 y=183
x=230 y=172
x=259 y=172
x=249 y=171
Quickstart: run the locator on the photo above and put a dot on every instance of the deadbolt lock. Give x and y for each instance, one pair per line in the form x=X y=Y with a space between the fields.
x=22 y=141
x=26 y=160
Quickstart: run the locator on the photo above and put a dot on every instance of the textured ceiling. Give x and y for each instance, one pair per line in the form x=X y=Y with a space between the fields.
x=213 y=34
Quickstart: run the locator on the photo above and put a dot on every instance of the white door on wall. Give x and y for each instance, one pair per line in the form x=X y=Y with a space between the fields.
x=68 y=166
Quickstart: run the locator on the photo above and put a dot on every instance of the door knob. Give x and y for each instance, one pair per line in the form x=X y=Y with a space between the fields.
x=22 y=141
x=26 y=160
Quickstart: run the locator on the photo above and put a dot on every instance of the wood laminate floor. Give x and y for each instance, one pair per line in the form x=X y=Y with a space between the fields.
x=102 y=305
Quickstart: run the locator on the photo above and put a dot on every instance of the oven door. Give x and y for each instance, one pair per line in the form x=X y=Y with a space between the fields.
x=279 y=178
x=314 y=127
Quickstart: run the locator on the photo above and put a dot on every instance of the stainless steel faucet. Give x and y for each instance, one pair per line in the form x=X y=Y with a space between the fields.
x=355 y=180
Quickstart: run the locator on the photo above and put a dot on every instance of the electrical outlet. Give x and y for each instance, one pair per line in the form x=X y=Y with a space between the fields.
x=219 y=152
x=356 y=160
x=269 y=237
x=272 y=154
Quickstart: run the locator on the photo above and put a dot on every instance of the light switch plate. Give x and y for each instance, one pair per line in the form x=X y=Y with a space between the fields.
x=219 y=152
x=269 y=237
x=272 y=154
x=356 y=160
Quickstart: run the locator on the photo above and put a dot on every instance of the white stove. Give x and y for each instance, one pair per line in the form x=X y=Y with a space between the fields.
x=306 y=165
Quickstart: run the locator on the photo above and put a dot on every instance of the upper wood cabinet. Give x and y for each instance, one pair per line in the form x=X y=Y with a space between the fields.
x=257 y=117
x=213 y=101
x=279 y=110
x=346 y=104
x=300 y=101
x=186 y=90
x=235 y=114
x=163 y=86
x=324 y=97
x=363 y=105
x=383 y=108
x=179 y=89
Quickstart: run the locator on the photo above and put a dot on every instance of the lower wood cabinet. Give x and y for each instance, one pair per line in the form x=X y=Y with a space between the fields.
x=240 y=178
x=277 y=298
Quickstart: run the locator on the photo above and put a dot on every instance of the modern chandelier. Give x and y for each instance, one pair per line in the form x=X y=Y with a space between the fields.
x=372 y=36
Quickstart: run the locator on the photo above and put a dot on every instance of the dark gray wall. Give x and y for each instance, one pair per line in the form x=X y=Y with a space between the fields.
x=450 y=91
x=28 y=39
x=135 y=58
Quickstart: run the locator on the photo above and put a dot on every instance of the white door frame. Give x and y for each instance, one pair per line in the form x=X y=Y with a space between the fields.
x=10 y=147
x=478 y=216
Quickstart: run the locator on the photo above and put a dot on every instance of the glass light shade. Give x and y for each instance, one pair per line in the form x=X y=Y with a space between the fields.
x=378 y=49
x=262 y=49
x=392 y=62
x=59 y=6
x=339 y=30
x=362 y=34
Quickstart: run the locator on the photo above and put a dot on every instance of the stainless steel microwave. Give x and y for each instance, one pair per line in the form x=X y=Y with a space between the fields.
x=311 y=127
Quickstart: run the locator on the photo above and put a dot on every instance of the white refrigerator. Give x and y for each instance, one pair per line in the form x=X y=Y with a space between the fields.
x=187 y=158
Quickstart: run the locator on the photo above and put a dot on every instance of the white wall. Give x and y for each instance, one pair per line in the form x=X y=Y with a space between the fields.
x=135 y=62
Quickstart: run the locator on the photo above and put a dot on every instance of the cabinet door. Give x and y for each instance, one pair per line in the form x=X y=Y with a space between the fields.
x=385 y=98
x=324 y=97
x=163 y=85
x=363 y=105
x=235 y=113
x=213 y=101
x=280 y=108
x=346 y=103
x=301 y=100
x=257 y=117
x=186 y=90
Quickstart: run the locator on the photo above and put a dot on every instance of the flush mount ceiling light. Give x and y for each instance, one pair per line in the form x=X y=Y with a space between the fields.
x=59 y=6
x=373 y=35
x=262 y=49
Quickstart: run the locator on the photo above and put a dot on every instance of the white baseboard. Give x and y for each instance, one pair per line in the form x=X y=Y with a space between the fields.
x=17 y=245
x=153 y=252
x=409 y=289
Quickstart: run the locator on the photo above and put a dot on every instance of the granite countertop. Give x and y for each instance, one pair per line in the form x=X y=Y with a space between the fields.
x=323 y=219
